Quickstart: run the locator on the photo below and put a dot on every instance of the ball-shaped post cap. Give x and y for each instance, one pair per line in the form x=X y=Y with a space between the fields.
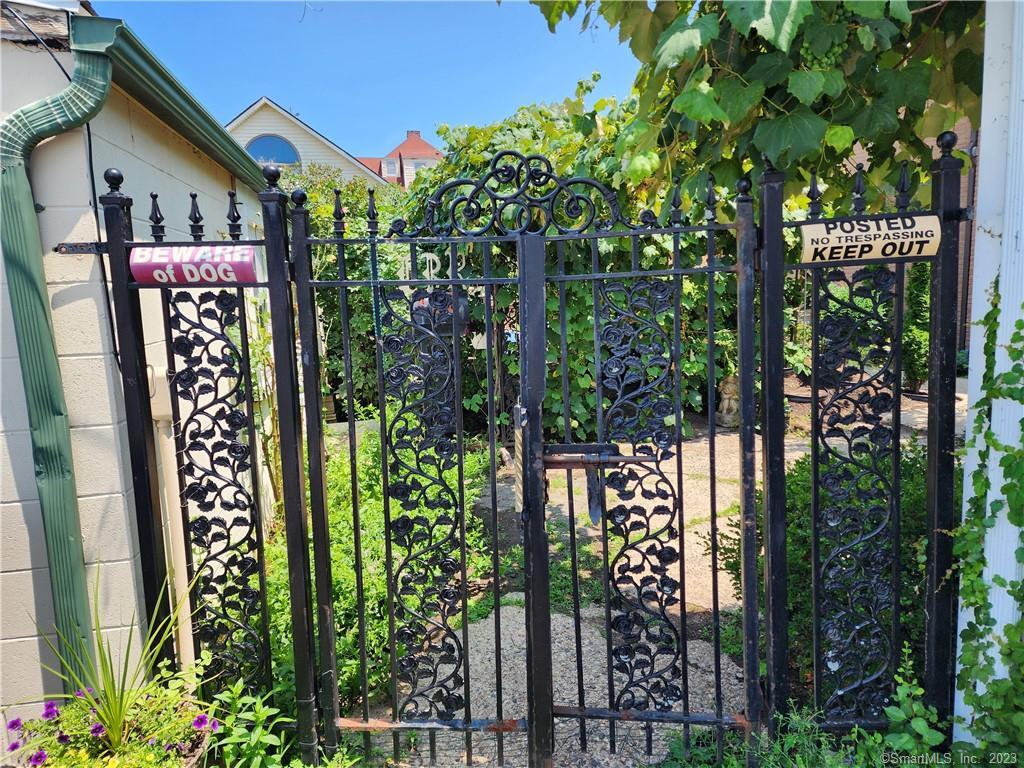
x=272 y=174
x=946 y=141
x=114 y=179
x=743 y=186
x=299 y=197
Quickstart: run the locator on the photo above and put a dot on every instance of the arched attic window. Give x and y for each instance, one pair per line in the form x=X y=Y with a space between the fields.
x=269 y=148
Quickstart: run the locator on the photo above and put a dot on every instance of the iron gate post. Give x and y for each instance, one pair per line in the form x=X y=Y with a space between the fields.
x=293 y=482
x=773 y=440
x=533 y=375
x=940 y=637
x=746 y=243
x=302 y=261
x=131 y=347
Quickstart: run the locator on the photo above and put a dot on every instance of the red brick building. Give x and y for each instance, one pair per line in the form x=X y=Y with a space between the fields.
x=400 y=165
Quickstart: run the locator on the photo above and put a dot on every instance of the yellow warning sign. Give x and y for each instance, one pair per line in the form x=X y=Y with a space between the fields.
x=881 y=238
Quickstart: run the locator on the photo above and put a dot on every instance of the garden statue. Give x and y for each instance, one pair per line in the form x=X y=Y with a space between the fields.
x=728 y=414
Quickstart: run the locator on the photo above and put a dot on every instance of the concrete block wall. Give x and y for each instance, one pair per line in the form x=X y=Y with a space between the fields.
x=153 y=158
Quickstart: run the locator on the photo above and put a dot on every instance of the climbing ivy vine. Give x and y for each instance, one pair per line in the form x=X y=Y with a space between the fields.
x=802 y=82
x=991 y=676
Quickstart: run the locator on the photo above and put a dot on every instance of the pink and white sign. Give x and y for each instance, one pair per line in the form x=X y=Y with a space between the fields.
x=193 y=264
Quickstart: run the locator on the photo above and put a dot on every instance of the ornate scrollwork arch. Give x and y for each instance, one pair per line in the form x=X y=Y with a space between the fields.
x=519 y=193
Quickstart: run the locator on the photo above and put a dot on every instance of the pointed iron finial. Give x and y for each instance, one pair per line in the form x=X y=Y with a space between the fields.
x=196 y=228
x=858 y=189
x=675 y=206
x=947 y=142
x=769 y=167
x=272 y=174
x=710 y=201
x=371 y=213
x=156 y=219
x=814 y=209
x=903 y=189
x=339 y=215
x=234 y=217
x=114 y=179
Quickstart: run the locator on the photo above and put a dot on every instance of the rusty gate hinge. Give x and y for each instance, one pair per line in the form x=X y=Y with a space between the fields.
x=67 y=249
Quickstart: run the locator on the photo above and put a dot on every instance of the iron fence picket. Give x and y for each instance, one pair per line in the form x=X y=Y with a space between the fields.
x=940 y=640
x=309 y=345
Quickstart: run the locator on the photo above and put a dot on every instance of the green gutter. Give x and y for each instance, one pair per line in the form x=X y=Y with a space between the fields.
x=145 y=79
x=22 y=246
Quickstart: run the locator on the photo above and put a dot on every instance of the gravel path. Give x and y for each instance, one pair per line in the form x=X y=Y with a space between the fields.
x=630 y=738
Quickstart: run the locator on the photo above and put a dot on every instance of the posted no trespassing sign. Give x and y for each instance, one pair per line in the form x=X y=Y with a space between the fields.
x=879 y=238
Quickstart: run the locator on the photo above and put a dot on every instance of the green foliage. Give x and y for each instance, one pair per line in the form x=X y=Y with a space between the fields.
x=374 y=571
x=249 y=732
x=128 y=710
x=914 y=727
x=915 y=358
x=117 y=681
x=797 y=80
x=913 y=529
x=991 y=672
x=800 y=744
x=584 y=141
x=916 y=321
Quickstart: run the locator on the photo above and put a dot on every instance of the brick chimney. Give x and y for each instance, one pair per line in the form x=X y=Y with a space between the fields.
x=410 y=134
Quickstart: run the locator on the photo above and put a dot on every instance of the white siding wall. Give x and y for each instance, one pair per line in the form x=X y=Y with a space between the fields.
x=311 y=148
x=152 y=158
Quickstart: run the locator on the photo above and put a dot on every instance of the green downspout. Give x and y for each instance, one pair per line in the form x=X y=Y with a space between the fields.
x=33 y=328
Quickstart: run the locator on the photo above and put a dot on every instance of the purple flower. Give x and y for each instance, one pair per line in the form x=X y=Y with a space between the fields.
x=81 y=694
x=50 y=710
x=14 y=725
x=63 y=738
x=38 y=758
x=215 y=725
x=97 y=730
x=14 y=746
x=200 y=722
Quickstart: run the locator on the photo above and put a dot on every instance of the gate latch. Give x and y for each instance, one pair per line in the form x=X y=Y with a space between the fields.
x=590 y=457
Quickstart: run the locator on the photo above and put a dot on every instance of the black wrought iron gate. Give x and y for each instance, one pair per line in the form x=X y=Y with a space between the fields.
x=525 y=275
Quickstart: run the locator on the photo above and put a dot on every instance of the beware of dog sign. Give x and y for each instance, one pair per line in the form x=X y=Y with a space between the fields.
x=203 y=264
x=881 y=238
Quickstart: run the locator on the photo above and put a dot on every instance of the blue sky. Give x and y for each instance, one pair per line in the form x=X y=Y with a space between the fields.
x=362 y=73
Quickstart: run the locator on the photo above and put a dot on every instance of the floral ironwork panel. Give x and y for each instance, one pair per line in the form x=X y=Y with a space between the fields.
x=857 y=377
x=215 y=437
x=636 y=375
x=421 y=452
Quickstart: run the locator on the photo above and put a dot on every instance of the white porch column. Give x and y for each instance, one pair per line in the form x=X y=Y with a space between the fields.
x=999 y=249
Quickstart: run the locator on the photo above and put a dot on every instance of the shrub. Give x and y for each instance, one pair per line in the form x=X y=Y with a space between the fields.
x=343 y=573
x=915 y=326
x=913 y=530
x=915 y=358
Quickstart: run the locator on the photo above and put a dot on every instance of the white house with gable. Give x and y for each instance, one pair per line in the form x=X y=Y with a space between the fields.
x=270 y=133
